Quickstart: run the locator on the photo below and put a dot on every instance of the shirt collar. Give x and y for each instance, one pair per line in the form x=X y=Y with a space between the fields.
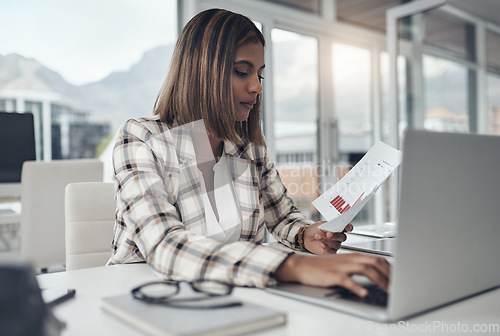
x=240 y=150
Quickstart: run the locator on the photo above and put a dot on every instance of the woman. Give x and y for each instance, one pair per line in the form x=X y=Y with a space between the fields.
x=195 y=189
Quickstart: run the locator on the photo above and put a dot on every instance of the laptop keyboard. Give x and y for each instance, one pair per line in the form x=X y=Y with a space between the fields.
x=376 y=295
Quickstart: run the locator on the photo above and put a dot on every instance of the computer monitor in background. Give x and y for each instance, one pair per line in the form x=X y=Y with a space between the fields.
x=17 y=144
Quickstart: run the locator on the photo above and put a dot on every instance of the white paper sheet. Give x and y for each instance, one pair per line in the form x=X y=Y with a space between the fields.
x=342 y=202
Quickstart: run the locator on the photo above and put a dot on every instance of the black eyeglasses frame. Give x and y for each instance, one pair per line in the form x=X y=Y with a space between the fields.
x=186 y=303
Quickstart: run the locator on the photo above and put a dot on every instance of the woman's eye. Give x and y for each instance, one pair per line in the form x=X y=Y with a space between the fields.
x=240 y=73
x=260 y=78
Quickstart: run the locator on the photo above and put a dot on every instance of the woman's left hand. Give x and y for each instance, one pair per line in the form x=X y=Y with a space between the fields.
x=319 y=241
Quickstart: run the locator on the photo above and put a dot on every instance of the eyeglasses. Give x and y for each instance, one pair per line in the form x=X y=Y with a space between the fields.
x=203 y=296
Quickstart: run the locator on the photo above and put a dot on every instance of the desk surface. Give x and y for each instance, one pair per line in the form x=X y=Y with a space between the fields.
x=84 y=316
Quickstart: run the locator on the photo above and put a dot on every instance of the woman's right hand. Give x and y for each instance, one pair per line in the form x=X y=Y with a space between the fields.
x=335 y=270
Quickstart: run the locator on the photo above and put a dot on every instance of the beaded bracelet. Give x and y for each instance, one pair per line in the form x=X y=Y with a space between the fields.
x=300 y=238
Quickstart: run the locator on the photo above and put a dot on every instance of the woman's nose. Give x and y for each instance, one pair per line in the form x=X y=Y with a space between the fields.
x=255 y=85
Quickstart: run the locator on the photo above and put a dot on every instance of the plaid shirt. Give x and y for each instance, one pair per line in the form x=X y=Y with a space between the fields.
x=159 y=208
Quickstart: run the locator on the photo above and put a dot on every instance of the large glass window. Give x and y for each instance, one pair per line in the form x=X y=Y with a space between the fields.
x=351 y=77
x=352 y=106
x=295 y=74
x=494 y=104
x=446 y=95
x=493 y=81
x=83 y=67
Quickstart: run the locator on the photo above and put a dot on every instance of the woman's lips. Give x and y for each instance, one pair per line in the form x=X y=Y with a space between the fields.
x=248 y=105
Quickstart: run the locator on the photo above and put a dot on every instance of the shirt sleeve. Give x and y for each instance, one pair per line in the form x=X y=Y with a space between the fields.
x=149 y=228
x=282 y=217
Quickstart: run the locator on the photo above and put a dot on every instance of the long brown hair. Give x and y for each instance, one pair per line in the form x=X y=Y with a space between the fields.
x=198 y=84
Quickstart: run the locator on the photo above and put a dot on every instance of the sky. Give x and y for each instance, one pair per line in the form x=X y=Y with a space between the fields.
x=85 y=40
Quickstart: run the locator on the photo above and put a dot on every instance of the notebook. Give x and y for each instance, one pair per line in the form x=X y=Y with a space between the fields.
x=448 y=229
x=168 y=321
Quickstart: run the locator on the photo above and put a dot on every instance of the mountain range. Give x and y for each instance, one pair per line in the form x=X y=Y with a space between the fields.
x=117 y=97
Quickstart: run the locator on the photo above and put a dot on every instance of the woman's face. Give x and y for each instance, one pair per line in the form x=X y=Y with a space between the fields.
x=246 y=78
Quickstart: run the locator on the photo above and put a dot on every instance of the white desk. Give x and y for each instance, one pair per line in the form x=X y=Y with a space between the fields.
x=84 y=316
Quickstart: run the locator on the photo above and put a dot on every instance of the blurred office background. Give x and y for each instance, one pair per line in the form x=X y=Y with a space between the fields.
x=83 y=67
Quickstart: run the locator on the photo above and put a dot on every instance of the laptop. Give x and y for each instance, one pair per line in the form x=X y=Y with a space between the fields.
x=448 y=229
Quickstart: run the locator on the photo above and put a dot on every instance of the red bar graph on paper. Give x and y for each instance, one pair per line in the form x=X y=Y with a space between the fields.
x=340 y=204
x=347 y=207
x=336 y=201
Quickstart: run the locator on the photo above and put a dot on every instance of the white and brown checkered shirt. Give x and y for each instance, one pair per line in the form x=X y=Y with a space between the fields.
x=159 y=208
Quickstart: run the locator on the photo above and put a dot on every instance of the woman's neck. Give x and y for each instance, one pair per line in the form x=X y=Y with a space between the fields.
x=217 y=145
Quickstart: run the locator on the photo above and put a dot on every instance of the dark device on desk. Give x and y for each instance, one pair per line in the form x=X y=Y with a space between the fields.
x=23 y=311
x=17 y=144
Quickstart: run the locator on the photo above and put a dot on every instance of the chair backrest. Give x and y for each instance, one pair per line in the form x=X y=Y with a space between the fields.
x=90 y=219
x=42 y=206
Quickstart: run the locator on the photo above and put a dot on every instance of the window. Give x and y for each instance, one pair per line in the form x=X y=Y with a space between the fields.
x=440 y=93
x=446 y=96
x=493 y=104
x=295 y=73
x=352 y=106
x=351 y=76
x=83 y=69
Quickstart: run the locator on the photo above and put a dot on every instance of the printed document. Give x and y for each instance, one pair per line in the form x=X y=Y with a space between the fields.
x=342 y=202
